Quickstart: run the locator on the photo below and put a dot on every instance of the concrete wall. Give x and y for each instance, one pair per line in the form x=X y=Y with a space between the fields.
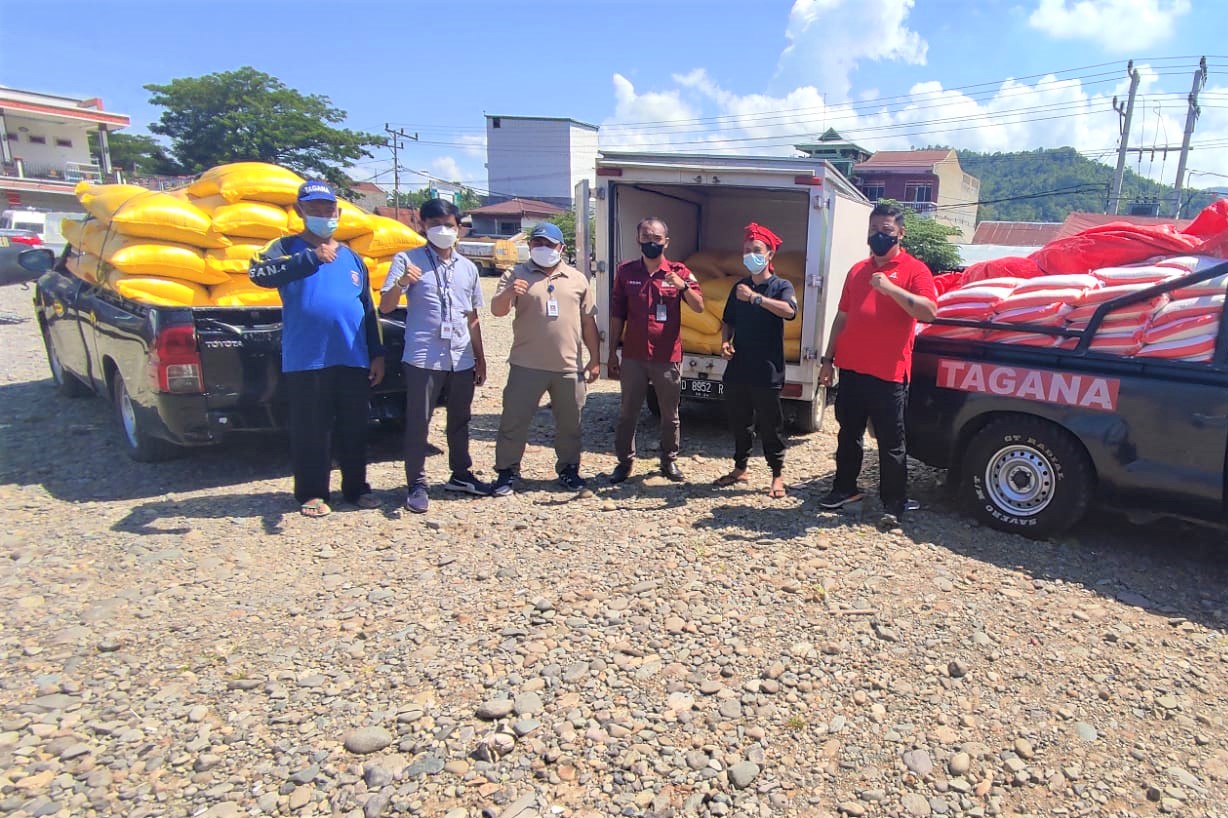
x=538 y=159
x=39 y=157
x=956 y=195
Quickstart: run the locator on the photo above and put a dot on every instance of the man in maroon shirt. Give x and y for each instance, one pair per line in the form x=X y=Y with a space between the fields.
x=646 y=301
x=871 y=344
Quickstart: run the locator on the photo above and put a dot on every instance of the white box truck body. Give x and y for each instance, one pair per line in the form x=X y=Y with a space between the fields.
x=707 y=201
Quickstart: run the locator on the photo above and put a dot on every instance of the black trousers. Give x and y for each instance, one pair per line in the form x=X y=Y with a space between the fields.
x=422 y=390
x=861 y=398
x=756 y=409
x=328 y=418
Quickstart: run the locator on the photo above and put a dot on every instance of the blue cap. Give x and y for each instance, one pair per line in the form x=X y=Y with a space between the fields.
x=316 y=191
x=547 y=230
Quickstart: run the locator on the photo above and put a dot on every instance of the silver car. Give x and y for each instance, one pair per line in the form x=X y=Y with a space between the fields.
x=12 y=244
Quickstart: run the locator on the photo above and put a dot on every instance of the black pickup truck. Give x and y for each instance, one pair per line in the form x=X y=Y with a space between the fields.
x=1033 y=435
x=177 y=376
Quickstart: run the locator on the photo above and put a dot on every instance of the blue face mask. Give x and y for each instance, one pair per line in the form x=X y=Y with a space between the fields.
x=755 y=262
x=322 y=226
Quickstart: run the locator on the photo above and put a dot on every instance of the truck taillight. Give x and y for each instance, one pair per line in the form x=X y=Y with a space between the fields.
x=174 y=362
x=791 y=390
x=33 y=241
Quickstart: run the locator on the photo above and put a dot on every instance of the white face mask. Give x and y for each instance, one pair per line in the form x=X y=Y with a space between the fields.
x=442 y=236
x=545 y=257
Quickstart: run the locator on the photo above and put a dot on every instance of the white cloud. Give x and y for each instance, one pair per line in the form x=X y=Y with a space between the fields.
x=828 y=38
x=1115 y=25
x=447 y=169
x=474 y=145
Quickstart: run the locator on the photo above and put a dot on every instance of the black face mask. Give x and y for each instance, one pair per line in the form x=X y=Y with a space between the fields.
x=881 y=243
x=651 y=249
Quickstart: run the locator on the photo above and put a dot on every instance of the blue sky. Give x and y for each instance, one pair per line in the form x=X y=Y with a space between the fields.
x=685 y=75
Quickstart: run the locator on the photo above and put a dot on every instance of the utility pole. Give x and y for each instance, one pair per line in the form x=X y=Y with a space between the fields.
x=1124 y=118
x=1191 y=116
x=397 y=136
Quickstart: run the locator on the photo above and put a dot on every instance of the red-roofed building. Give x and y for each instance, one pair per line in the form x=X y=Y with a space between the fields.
x=930 y=182
x=44 y=147
x=511 y=217
x=1016 y=234
x=368 y=195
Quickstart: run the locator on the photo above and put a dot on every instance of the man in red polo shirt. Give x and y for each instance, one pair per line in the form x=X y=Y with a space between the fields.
x=871 y=344
x=646 y=300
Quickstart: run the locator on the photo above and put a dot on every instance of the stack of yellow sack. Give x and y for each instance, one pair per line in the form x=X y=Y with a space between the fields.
x=718 y=274
x=146 y=245
x=192 y=247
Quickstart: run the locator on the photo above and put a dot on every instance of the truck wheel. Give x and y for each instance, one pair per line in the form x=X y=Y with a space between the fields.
x=138 y=443
x=66 y=383
x=1027 y=476
x=810 y=413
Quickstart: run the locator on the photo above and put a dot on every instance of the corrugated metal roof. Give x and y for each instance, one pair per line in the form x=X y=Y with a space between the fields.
x=518 y=207
x=1016 y=234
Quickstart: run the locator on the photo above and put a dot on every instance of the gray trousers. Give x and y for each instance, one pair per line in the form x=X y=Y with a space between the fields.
x=422 y=388
x=666 y=381
x=522 y=396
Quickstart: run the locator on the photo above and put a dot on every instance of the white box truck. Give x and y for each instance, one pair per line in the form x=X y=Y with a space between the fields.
x=707 y=201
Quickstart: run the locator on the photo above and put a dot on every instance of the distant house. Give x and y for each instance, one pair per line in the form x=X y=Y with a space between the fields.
x=368 y=195
x=837 y=151
x=511 y=217
x=930 y=182
x=541 y=158
x=44 y=147
x=1016 y=234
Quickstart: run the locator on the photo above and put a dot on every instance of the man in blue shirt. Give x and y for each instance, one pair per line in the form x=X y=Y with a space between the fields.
x=443 y=347
x=331 y=352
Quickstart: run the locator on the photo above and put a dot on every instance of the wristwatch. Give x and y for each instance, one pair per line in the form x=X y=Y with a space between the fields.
x=757 y=300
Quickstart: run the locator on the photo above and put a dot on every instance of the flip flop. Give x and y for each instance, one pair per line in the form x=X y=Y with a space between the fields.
x=729 y=479
x=315 y=508
x=776 y=494
x=368 y=500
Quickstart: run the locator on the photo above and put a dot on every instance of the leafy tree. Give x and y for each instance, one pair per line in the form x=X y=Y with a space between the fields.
x=566 y=222
x=469 y=199
x=249 y=116
x=927 y=240
x=136 y=154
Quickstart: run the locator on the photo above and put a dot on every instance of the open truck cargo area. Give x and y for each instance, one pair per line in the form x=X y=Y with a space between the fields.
x=707 y=201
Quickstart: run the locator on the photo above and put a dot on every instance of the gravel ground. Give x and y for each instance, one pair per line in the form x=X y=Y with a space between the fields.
x=178 y=641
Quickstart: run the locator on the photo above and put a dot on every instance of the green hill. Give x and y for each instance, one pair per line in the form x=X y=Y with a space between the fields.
x=1021 y=186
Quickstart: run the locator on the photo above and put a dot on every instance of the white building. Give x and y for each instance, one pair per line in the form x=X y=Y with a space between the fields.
x=44 y=147
x=541 y=158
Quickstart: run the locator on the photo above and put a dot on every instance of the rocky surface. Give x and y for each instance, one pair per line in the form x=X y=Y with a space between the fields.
x=178 y=641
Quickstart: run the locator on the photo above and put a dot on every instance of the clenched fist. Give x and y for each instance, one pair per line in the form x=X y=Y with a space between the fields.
x=327 y=251
x=411 y=275
x=744 y=293
x=520 y=286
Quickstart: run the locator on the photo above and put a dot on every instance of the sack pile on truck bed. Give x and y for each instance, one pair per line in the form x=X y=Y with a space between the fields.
x=718 y=274
x=1062 y=284
x=191 y=247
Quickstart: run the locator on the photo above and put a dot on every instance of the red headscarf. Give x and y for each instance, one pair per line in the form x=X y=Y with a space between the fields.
x=757 y=232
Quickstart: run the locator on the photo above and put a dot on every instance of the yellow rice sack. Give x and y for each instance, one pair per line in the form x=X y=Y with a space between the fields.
x=101 y=201
x=162 y=259
x=700 y=343
x=160 y=216
x=250 y=181
x=161 y=292
x=248 y=220
x=233 y=260
x=376 y=296
x=387 y=238
x=86 y=266
x=239 y=291
x=354 y=222
x=705 y=323
x=72 y=230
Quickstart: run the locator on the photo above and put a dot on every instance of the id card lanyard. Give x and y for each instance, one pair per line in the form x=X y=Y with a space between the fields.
x=444 y=285
x=552 y=303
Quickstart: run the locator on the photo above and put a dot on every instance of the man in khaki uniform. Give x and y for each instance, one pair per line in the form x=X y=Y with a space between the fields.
x=555 y=317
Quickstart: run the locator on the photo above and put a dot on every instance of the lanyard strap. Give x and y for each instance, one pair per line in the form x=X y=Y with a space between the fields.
x=443 y=284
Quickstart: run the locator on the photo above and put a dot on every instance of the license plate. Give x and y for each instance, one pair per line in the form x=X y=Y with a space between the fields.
x=700 y=388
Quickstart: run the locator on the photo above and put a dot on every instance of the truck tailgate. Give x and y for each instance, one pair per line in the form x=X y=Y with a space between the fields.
x=240 y=351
